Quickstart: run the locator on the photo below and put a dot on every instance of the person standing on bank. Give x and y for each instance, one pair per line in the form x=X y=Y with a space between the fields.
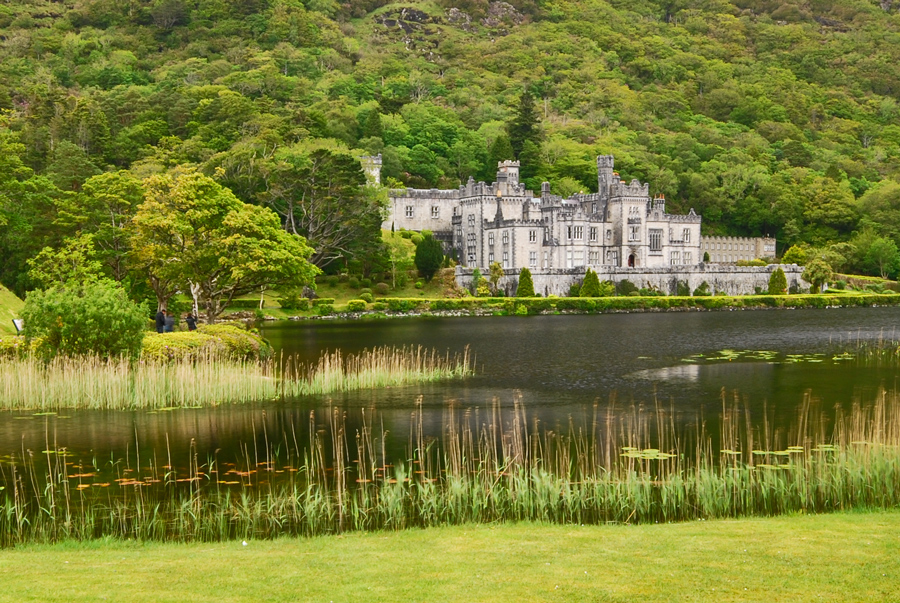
x=191 y=321
x=170 y=323
x=160 y=321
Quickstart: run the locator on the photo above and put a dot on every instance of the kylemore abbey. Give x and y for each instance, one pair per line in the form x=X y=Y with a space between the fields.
x=619 y=230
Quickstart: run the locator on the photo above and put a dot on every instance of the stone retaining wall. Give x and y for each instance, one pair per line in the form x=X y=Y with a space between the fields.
x=733 y=280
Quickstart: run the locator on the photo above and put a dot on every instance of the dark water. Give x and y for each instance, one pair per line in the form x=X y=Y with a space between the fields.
x=559 y=367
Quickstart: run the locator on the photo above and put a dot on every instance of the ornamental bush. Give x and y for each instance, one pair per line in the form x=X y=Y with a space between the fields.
x=591 y=285
x=367 y=297
x=526 y=284
x=95 y=319
x=356 y=305
x=778 y=282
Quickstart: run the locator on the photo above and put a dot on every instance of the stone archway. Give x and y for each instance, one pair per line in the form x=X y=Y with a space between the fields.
x=631 y=261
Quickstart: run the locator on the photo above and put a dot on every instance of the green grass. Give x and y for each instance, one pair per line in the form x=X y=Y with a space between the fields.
x=835 y=558
x=10 y=307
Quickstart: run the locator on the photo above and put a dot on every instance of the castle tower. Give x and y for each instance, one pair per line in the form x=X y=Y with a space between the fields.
x=371 y=165
x=508 y=176
x=604 y=175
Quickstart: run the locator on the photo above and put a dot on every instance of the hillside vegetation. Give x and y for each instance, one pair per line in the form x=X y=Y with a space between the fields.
x=766 y=117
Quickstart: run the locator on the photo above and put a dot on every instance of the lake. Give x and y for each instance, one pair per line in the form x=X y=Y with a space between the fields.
x=558 y=369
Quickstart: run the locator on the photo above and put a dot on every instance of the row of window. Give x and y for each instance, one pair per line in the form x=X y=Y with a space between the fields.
x=729 y=247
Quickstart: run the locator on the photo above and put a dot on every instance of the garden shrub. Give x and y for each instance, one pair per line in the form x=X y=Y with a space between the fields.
x=591 y=285
x=702 y=290
x=353 y=282
x=356 y=305
x=85 y=319
x=242 y=304
x=324 y=309
x=181 y=345
x=682 y=289
x=607 y=289
x=574 y=290
x=320 y=301
x=626 y=287
x=238 y=340
x=291 y=300
x=13 y=346
x=777 y=282
x=419 y=284
x=367 y=297
x=525 y=287
x=366 y=290
x=365 y=282
x=382 y=288
x=332 y=279
x=379 y=306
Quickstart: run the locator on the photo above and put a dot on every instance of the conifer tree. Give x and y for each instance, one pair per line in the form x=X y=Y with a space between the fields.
x=524 y=126
x=500 y=150
x=526 y=285
x=429 y=255
x=591 y=285
x=778 y=282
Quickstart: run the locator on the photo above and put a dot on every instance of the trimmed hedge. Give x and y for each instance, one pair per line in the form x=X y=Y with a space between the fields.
x=356 y=305
x=323 y=301
x=246 y=304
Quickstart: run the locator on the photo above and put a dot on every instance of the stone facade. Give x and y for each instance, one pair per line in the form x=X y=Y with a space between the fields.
x=733 y=280
x=728 y=250
x=619 y=226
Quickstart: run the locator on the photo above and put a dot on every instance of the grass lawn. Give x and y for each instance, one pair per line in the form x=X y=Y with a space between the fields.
x=841 y=557
x=10 y=307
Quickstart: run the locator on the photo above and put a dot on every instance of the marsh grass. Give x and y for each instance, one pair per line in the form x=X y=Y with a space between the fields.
x=634 y=465
x=85 y=382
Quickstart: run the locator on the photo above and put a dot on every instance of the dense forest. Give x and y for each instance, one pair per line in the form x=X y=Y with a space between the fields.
x=766 y=117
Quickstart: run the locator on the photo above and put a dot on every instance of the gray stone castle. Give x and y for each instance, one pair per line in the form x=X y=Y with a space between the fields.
x=619 y=226
x=620 y=232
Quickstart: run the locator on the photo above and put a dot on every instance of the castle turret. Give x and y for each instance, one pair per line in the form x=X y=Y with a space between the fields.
x=508 y=176
x=371 y=165
x=604 y=175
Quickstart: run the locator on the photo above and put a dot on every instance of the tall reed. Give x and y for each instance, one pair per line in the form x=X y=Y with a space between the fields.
x=85 y=382
x=632 y=465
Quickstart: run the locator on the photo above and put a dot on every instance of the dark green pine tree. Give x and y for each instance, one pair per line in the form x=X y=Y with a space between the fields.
x=429 y=255
x=500 y=150
x=531 y=165
x=526 y=285
x=524 y=126
x=372 y=127
x=591 y=285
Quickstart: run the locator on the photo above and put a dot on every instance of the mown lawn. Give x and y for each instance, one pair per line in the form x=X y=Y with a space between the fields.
x=841 y=557
x=10 y=307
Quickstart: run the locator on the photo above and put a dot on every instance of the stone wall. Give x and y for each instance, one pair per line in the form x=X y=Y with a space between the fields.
x=733 y=280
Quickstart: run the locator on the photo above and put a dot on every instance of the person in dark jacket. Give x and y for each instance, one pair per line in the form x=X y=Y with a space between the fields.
x=170 y=323
x=191 y=321
x=160 y=321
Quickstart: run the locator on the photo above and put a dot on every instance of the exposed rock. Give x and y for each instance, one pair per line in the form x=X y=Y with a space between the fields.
x=886 y=5
x=461 y=19
x=502 y=13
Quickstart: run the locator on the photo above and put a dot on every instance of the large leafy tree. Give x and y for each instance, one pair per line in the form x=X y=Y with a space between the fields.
x=104 y=209
x=323 y=197
x=191 y=232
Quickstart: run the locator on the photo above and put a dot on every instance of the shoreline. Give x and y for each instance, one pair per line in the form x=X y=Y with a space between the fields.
x=394 y=308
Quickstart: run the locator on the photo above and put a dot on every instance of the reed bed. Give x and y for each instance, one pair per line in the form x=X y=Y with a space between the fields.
x=490 y=465
x=84 y=382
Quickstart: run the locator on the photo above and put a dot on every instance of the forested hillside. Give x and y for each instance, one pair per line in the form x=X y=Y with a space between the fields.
x=766 y=117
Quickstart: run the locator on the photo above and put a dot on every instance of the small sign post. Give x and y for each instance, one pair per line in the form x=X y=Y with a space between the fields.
x=19 y=324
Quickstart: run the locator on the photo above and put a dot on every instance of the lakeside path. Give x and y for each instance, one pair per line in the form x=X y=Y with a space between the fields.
x=839 y=557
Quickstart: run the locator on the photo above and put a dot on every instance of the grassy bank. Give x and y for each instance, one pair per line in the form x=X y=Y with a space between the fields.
x=29 y=383
x=840 y=557
x=10 y=307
